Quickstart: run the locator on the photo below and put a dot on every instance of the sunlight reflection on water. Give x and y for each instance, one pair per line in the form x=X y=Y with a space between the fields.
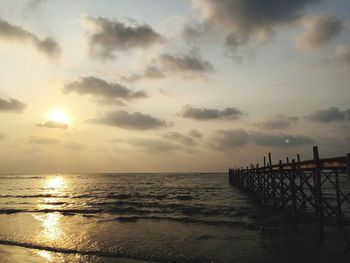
x=51 y=226
x=46 y=255
x=53 y=186
x=50 y=223
x=55 y=183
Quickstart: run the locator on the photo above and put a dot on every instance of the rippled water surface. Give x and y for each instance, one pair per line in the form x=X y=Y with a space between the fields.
x=148 y=217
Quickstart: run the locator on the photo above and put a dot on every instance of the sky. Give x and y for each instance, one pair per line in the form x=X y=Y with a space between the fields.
x=171 y=86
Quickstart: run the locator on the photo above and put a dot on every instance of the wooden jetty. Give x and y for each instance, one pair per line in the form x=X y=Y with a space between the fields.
x=319 y=188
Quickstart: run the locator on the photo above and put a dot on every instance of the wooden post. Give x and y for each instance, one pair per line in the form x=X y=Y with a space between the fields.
x=283 y=194
x=264 y=182
x=318 y=196
x=259 y=185
x=337 y=188
x=273 y=182
x=293 y=189
x=301 y=181
x=348 y=164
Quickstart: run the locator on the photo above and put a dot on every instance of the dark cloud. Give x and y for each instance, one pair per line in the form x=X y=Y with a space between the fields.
x=110 y=36
x=197 y=32
x=278 y=121
x=48 y=46
x=154 y=145
x=110 y=101
x=203 y=114
x=191 y=64
x=341 y=56
x=244 y=20
x=103 y=89
x=150 y=73
x=280 y=140
x=320 y=31
x=178 y=137
x=131 y=121
x=12 y=105
x=231 y=139
x=195 y=133
x=53 y=124
x=329 y=115
x=43 y=140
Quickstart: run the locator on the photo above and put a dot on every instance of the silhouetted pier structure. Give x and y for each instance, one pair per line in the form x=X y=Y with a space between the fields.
x=319 y=188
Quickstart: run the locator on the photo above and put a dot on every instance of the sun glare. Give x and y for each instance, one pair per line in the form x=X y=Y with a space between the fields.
x=59 y=115
x=57 y=182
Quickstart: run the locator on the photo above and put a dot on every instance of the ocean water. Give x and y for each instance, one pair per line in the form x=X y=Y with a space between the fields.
x=145 y=217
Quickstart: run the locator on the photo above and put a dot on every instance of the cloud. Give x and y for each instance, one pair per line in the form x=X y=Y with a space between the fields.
x=74 y=146
x=278 y=121
x=34 y=4
x=130 y=121
x=203 y=114
x=48 y=46
x=110 y=101
x=320 y=31
x=229 y=139
x=12 y=105
x=191 y=64
x=53 y=124
x=100 y=88
x=2 y=136
x=195 y=32
x=42 y=140
x=341 y=56
x=150 y=73
x=249 y=19
x=329 y=115
x=110 y=36
x=234 y=138
x=154 y=145
x=280 y=140
x=195 y=133
x=178 y=137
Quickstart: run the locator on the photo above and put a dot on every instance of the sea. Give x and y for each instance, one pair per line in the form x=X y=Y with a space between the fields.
x=166 y=217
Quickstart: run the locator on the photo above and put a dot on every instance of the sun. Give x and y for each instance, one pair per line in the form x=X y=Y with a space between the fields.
x=59 y=115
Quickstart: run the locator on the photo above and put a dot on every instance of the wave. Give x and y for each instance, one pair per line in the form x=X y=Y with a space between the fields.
x=112 y=196
x=139 y=208
x=12 y=211
x=63 y=211
x=100 y=253
x=185 y=220
x=19 y=177
x=131 y=214
x=34 y=196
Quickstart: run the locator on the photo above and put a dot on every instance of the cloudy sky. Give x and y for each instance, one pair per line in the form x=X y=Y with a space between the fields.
x=164 y=85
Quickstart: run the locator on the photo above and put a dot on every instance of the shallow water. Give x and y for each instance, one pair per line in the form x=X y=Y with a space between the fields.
x=151 y=217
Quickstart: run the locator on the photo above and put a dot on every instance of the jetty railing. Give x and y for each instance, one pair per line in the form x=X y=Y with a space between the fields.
x=319 y=188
